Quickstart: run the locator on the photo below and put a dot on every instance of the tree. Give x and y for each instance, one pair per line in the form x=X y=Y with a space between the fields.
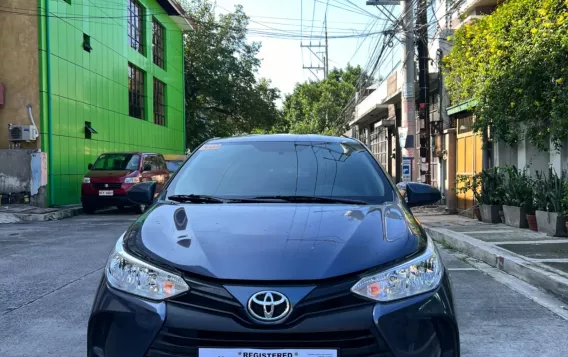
x=514 y=63
x=223 y=95
x=316 y=107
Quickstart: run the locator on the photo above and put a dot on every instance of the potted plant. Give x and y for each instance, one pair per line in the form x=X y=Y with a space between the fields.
x=466 y=183
x=550 y=203
x=518 y=197
x=492 y=194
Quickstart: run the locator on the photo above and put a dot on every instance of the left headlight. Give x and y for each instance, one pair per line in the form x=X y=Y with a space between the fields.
x=417 y=276
x=132 y=275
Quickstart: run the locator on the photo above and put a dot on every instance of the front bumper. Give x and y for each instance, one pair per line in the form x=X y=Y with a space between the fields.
x=122 y=325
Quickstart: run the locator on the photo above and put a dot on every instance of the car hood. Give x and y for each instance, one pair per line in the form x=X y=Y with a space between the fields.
x=267 y=242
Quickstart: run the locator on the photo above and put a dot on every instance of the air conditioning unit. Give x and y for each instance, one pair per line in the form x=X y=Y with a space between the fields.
x=22 y=132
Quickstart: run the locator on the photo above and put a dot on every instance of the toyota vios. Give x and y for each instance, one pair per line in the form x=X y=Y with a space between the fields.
x=276 y=246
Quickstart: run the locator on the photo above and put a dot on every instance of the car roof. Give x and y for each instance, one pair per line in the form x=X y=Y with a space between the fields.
x=283 y=137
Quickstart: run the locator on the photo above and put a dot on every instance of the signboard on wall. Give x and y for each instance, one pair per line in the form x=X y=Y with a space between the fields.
x=406 y=169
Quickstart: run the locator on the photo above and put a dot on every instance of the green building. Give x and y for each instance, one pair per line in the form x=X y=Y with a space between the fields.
x=101 y=76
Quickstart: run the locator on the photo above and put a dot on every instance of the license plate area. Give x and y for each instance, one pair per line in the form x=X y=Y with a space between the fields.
x=254 y=352
x=106 y=193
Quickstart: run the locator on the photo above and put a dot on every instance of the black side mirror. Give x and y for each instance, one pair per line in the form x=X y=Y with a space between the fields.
x=420 y=194
x=147 y=167
x=90 y=167
x=142 y=193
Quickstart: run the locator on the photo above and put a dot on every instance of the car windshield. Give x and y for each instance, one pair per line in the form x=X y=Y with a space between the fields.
x=173 y=165
x=117 y=162
x=262 y=169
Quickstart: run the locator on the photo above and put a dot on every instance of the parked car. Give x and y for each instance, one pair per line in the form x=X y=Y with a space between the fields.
x=174 y=162
x=276 y=246
x=113 y=174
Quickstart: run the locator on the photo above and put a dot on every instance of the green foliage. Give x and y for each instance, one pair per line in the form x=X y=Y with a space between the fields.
x=518 y=188
x=514 y=62
x=224 y=97
x=487 y=186
x=467 y=183
x=315 y=107
x=550 y=191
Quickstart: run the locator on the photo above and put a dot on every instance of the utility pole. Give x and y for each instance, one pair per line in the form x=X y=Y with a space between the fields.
x=326 y=63
x=424 y=97
x=324 y=60
x=407 y=127
x=316 y=54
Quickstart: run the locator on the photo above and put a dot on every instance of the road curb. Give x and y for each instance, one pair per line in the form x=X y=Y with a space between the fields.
x=510 y=263
x=62 y=213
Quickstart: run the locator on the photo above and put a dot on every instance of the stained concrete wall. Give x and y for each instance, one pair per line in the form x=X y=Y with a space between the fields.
x=19 y=66
x=24 y=170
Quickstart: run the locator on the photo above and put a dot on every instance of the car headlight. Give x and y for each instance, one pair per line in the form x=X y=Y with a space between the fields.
x=86 y=180
x=132 y=180
x=417 y=276
x=132 y=275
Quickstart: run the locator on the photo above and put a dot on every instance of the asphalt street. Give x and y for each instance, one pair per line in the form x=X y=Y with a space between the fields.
x=49 y=272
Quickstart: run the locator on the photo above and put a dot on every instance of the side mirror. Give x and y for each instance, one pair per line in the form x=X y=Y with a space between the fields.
x=90 y=167
x=142 y=193
x=419 y=194
x=147 y=167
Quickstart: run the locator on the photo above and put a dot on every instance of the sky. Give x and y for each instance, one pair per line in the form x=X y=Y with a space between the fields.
x=282 y=59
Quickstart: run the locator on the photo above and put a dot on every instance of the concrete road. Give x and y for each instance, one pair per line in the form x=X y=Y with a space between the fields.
x=49 y=272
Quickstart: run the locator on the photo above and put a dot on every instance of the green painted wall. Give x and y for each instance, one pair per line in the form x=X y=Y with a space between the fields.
x=94 y=87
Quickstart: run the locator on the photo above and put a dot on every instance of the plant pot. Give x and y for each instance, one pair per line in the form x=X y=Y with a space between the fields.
x=531 y=221
x=551 y=223
x=490 y=213
x=477 y=213
x=515 y=216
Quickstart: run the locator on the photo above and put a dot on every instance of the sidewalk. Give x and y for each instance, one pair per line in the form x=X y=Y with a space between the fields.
x=534 y=257
x=15 y=213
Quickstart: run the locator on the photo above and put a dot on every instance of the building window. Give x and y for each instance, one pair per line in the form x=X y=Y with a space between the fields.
x=135 y=92
x=159 y=102
x=135 y=26
x=158 y=43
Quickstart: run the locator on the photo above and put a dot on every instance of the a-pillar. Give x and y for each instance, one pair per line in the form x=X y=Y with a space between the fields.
x=450 y=164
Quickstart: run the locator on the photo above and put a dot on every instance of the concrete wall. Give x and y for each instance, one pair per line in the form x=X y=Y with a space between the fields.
x=19 y=67
x=24 y=170
x=527 y=155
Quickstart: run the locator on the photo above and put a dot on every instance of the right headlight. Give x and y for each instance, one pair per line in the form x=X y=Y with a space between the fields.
x=132 y=275
x=417 y=276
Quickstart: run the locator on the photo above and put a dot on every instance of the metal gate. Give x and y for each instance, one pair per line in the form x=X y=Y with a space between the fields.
x=380 y=146
x=468 y=157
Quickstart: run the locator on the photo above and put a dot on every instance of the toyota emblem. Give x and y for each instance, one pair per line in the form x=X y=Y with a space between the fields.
x=269 y=306
x=106 y=184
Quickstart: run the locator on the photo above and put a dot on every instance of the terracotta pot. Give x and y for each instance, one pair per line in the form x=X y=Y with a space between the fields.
x=477 y=213
x=531 y=220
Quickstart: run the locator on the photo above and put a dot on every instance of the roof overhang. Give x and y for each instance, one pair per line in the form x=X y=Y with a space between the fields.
x=176 y=12
x=460 y=107
x=371 y=114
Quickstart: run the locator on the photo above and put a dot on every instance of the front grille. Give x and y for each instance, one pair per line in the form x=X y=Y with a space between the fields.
x=325 y=298
x=174 y=342
x=107 y=186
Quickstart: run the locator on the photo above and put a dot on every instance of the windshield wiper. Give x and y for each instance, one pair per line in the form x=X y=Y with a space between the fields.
x=195 y=199
x=312 y=199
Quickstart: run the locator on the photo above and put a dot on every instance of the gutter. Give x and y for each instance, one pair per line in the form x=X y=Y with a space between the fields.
x=49 y=107
x=44 y=49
